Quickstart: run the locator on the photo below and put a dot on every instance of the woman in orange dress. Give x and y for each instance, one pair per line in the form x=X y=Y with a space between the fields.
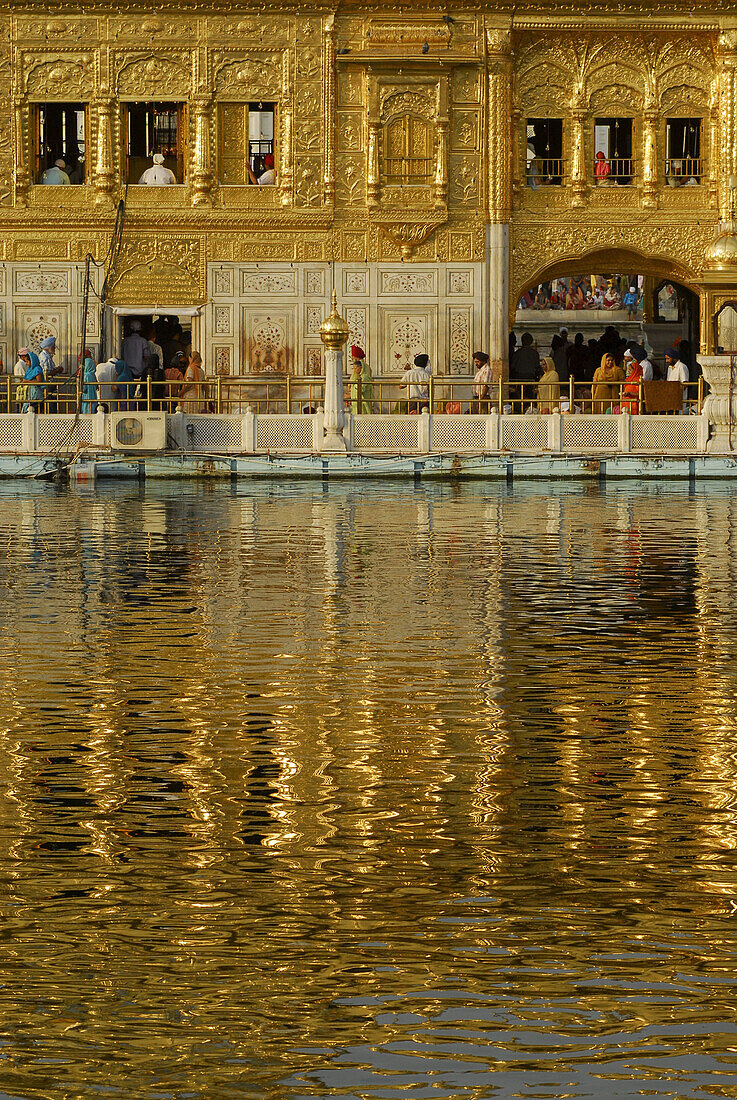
x=631 y=392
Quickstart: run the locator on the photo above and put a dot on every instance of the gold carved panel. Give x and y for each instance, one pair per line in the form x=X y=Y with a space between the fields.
x=150 y=76
x=350 y=88
x=465 y=131
x=248 y=78
x=57 y=76
x=466 y=86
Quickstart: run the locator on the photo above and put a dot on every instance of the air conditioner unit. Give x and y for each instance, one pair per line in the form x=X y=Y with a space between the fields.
x=137 y=431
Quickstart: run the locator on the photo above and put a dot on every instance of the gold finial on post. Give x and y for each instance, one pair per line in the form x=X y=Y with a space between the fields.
x=334 y=330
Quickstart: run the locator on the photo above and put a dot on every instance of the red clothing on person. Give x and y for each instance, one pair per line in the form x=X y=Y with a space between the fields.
x=631 y=391
x=603 y=168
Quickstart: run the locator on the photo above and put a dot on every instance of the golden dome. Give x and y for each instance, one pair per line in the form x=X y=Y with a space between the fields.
x=722 y=252
x=334 y=331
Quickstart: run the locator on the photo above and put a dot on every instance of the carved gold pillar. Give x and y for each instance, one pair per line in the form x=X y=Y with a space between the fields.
x=22 y=177
x=518 y=168
x=713 y=149
x=726 y=151
x=285 y=178
x=372 y=177
x=104 y=171
x=372 y=145
x=286 y=172
x=329 y=77
x=499 y=124
x=441 y=148
x=499 y=127
x=707 y=327
x=649 y=157
x=201 y=179
x=578 y=157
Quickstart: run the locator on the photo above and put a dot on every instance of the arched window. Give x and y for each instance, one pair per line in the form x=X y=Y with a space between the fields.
x=408 y=150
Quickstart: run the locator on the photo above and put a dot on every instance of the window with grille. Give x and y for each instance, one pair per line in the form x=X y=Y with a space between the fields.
x=156 y=128
x=408 y=150
x=683 y=164
x=60 y=142
x=545 y=166
x=613 y=162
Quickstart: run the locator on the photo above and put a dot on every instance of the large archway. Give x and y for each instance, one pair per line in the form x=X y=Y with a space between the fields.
x=668 y=300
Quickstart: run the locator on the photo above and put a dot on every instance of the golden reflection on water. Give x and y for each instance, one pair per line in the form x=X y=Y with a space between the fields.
x=368 y=791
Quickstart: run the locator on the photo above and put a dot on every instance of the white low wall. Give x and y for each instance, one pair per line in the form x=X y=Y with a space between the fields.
x=250 y=433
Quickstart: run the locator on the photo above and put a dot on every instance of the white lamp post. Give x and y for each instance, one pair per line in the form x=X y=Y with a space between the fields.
x=334 y=333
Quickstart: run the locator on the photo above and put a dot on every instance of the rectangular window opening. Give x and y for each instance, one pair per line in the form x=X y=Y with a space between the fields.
x=613 y=162
x=155 y=131
x=61 y=143
x=246 y=143
x=683 y=164
x=545 y=166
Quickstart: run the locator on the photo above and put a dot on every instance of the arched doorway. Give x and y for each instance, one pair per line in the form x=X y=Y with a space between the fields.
x=667 y=300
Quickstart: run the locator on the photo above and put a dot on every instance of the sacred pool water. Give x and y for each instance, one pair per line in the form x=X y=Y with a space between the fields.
x=376 y=791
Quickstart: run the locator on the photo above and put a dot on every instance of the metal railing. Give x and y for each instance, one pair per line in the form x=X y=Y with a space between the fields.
x=683 y=170
x=621 y=170
x=592 y=397
x=381 y=397
x=546 y=172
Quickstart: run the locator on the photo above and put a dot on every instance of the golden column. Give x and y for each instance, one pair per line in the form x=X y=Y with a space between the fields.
x=104 y=171
x=285 y=178
x=201 y=158
x=441 y=156
x=649 y=157
x=727 y=152
x=578 y=147
x=329 y=77
x=374 y=134
x=499 y=126
x=22 y=178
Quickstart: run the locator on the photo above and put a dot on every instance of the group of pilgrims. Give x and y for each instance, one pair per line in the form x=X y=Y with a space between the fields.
x=118 y=383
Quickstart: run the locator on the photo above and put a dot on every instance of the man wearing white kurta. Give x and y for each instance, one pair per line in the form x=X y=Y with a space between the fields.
x=157 y=175
x=56 y=174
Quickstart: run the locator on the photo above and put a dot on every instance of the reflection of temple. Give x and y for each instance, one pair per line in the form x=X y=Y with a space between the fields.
x=366 y=724
x=435 y=167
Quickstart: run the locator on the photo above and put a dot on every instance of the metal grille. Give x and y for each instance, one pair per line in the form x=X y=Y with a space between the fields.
x=214 y=435
x=458 y=434
x=282 y=432
x=526 y=433
x=63 y=433
x=582 y=434
x=661 y=433
x=11 y=435
x=389 y=434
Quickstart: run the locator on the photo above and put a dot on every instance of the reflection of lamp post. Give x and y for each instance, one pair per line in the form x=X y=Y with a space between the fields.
x=334 y=333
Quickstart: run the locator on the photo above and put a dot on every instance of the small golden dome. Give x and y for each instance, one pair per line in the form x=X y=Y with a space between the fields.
x=722 y=252
x=334 y=331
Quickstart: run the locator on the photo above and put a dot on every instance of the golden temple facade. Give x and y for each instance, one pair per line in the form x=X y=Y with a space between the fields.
x=401 y=171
